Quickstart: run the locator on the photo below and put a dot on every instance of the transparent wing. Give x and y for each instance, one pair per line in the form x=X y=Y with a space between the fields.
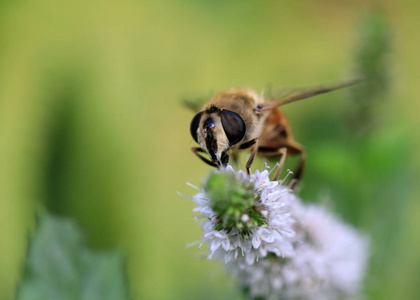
x=285 y=96
x=196 y=103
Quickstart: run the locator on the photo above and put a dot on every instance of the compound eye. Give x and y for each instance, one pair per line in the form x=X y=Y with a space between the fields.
x=233 y=125
x=194 y=126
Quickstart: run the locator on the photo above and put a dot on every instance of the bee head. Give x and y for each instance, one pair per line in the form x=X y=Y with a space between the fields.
x=217 y=130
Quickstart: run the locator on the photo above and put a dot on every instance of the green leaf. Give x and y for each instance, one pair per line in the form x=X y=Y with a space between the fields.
x=60 y=267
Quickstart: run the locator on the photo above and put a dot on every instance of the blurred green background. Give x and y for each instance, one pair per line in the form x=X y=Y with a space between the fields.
x=92 y=126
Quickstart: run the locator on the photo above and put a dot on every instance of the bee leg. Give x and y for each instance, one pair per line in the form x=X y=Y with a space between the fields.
x=276 y=175
x=255 y=143
x=292 y=148
x=248 y=144
x=196 y=151
x=300 y=166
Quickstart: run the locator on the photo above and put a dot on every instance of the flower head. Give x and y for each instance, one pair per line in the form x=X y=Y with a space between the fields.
x=328 y=263
x=278 y=247
x=245 y=216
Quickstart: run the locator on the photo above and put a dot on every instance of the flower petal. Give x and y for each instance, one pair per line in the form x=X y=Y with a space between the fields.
x=256 y=241
x=215 y=245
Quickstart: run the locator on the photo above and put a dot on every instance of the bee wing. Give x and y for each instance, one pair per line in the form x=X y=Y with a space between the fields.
x=197 y=103
x=270 y=93
x=193 y=105
x=289 y=96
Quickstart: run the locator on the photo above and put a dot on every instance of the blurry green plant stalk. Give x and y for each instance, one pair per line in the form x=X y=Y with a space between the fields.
x=59 y=266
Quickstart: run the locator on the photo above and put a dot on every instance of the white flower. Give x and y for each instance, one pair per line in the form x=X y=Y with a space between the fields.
x=278 y=247
x=272 y=206
x=328 y=263
x=262 y=181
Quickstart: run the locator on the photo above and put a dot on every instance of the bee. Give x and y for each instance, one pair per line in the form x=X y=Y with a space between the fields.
x=240 y=119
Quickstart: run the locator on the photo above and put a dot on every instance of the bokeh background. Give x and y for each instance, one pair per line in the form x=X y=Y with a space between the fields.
x=92 y=126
